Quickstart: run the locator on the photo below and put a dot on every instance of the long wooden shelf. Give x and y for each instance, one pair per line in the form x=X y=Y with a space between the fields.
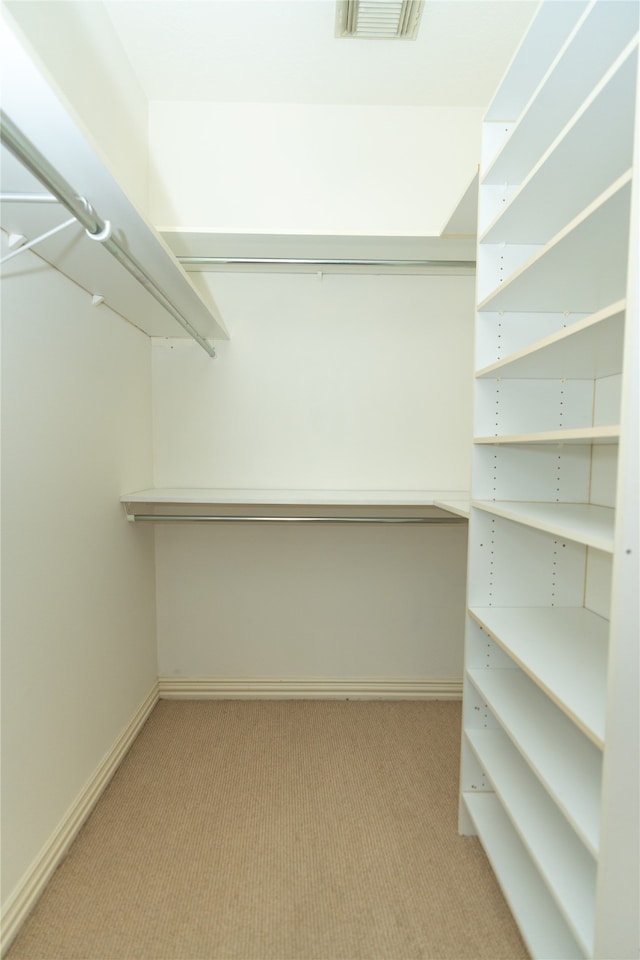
x=227 y=500
x=541 y=924
x=568 y=869
x=240 y=496
x=564 y=650
x=566 y=762
x=583 y=523
x=538 y=50
x=599 y=137
x=595 y=43
x=588 y=349
x=580 y=435
x=561 y=275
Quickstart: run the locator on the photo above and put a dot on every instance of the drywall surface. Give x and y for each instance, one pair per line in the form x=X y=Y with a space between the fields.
x=341 y=383
x=311 y=169
x=79 y=50
x=344 y=382
x=78 y=617
x=310 y=601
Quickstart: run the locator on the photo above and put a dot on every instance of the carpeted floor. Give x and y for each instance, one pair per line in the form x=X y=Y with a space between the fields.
x=278 y=830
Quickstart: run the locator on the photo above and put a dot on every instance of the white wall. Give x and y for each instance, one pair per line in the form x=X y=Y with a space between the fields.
x=78 y=618
x=346 y=382
x=307 y=602
x=295 y=168
x=349 y=382
x=78 y=49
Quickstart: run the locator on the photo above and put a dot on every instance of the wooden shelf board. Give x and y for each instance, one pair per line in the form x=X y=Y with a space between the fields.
x=221 y=496
x=597 y=40
x=568 y=869
x=565 y=761
x=583 y=523
x=537 y=51
x=599 y=138
x=588 y=349
x=564 y=650
x=543 y=928
x=461 y=508
x=580 y=435
x=561 y=275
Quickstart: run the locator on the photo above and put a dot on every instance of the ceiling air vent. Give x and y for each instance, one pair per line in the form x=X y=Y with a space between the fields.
x=378 y=19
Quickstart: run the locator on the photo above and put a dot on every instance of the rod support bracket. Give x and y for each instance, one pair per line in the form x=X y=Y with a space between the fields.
x=103 y=235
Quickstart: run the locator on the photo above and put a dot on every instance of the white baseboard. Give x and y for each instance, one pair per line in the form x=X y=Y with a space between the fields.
x=36 y=878
x=310 y=688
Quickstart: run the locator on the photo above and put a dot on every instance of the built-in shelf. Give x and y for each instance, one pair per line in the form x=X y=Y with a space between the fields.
x=564 y=650
x=583 y=523
x=544 y=929
x=550 y=687
x=564 y=760
x=220 y=495
x=581 y=435
x=568 y=869
x=601 y=133
x=417 y=503
x=70 y=152
x=561 y=275
x=596 y=42
x=210 y=252
x=461 y=508
x=588 y=349
x=539 y=47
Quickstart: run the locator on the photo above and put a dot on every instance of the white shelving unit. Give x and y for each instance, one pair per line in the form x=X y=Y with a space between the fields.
x=549 y=778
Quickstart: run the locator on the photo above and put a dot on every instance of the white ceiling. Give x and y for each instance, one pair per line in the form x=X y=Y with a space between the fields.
x=285 y=51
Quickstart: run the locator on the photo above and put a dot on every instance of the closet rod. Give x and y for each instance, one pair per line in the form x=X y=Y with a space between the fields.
x=324 y=262
x=38 y=165
x=238 y=519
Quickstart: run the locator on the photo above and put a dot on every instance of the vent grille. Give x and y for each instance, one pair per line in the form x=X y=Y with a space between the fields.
x=378 y=19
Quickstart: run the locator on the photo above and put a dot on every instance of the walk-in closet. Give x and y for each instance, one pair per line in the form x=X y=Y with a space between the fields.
x=320 y=479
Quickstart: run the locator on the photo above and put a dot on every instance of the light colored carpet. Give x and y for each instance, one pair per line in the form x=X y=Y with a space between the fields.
x=279 y=830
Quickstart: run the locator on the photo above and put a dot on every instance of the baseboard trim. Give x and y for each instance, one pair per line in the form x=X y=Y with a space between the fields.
x=31 y=887
x=309 y=688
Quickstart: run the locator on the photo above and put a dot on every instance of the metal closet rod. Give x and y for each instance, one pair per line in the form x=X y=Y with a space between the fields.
x=325 y=262
x=237 y=519
x=98 y=229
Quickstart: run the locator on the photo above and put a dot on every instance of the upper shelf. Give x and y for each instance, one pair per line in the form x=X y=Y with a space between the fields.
x=539 y=48
x=598 y=139
x=452 y=252
x=598 y=38
x=209 y=251
x=32 y=105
